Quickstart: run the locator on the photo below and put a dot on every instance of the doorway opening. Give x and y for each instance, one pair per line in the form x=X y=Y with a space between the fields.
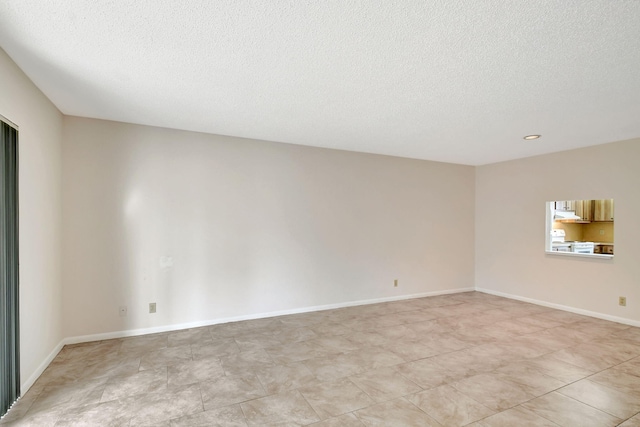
x=9 y=299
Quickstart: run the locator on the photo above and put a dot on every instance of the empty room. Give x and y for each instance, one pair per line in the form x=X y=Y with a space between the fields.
x=276 y=213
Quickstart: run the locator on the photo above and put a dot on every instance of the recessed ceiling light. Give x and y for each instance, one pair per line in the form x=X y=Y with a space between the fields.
x=528 y=137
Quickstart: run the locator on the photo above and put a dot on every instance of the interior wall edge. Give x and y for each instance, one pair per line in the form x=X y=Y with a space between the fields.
x=26 y=385
x=40 y=126
x=570 y=309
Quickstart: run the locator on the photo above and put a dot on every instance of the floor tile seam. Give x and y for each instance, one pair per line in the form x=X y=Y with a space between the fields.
x=103 y=390
x=152 y=392
x=493 y=412
x=419 y=409
x=140 y=352
x=301 y=394
x=354 y=413
x=599 y=372
x=263 y=385
x=612 y=347
x=65 y=410
x=634 y=415
x=13 y=407
x=588 y=404
x=543 y=329
x=129 y=417
x=584 y=367
x=573 y=382
x=385 y=400
x=409 y=379
x=294 y=342
x=244 y=414
x=70 y=384
x=591 y=406
x=33 y=400
x=524 y=358
x=594 y=374
x=610 y=367
x=181 y=416
x=235 y=403
x=190 y=343
x=622 y=363
x=629 y=373
x=452 y=384
x=521 y=405
x=28 y=414
x=547 y=392
x=537 y=368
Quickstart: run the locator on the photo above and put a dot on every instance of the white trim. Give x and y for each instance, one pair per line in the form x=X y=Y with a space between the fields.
x=135 y=332
x=548 y=227
x=9 y=122
x=26 y=385
x=179 y=326
x=575 y=254
x=589 y=313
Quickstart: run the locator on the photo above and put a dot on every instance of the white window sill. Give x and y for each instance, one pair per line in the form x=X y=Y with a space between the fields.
x=573 y=254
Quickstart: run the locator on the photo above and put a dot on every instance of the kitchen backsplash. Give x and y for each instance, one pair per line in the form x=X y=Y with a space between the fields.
x=591 y=232
x=587 y=232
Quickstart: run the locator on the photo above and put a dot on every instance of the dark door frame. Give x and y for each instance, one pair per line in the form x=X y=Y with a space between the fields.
x=9 y=269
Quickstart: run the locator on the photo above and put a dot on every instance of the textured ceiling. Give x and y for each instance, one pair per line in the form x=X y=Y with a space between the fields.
x=449 y=80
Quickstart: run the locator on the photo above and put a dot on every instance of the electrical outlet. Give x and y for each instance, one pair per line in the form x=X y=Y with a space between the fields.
x=395 y=283
x=622 y=301
x=123 y=310
x=152 y=307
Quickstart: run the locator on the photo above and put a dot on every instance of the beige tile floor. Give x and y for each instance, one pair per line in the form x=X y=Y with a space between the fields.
x=463 y=359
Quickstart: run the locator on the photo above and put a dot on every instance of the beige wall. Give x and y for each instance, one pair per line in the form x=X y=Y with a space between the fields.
x=252 y=227
x=40 y=126
x=511 y=196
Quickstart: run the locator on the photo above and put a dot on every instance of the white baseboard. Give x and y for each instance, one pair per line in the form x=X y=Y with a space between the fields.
x=26 y=385
x=179 y=326
x=175 y=327
x=595 y=314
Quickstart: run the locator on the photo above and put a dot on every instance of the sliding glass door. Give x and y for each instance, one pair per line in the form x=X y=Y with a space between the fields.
x=9 y=328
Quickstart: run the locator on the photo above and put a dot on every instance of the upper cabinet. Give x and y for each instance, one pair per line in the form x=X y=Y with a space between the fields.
x=603 y=210
x=584 y=209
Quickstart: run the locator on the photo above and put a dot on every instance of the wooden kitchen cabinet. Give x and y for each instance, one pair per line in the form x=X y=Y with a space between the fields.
x=603 y=210
x=584 y=209
x=565 y=205
x=606 y=249
x=588 y=210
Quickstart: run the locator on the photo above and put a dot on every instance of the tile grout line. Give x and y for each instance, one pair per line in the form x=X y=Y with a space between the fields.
x=379 y=346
